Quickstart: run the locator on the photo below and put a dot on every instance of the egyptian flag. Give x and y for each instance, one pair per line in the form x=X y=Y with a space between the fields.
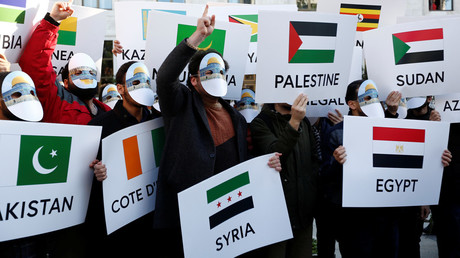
x=312 y=42
x=418 y=46
x=368 y=15
x=398 y=147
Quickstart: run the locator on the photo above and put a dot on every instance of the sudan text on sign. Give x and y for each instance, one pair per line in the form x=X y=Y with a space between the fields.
x=32 y=208
x=233 y=236
x=396 y=185
x=307 y=80
x=419 y=79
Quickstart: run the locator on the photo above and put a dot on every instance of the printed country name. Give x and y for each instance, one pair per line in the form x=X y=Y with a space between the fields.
x=396 y=185
x=133 y=197
x=61 y=55
x=234 y=235
x=307 y=80
x=451 y=106
x=11 y=41
x=252 y=57
x=326 y=102
x=32 y=208
x=419 y=78
x=231 y=80
x=133 y=54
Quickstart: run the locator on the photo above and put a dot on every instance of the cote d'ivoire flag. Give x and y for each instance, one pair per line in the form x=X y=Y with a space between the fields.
x=133 y=154
x=43 y=159
x=68 y=32
x=368 y=15
x=231 y=199
x=13 y=11
x=312 y=42
x=247 y=19
x=215 y=41
x=418 y=46
x=398 y=147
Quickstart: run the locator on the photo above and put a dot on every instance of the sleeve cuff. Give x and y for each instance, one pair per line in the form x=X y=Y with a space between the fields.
x=49 y=19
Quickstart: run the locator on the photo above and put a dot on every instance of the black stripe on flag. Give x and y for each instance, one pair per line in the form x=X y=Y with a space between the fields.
x=325 y=29
x=422 y=57
x=360 y=6
x=232 y=210
x=370 y=21
x=397 y=161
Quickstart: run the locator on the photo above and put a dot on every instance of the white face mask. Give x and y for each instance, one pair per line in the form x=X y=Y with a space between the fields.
x=212 y=75
x=110 y=95
x=138 y=84
x=368 y=98
x=83 y=71
x=18 y=91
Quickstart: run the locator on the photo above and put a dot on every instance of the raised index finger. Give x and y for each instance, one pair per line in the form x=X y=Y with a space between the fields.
x=205 y=13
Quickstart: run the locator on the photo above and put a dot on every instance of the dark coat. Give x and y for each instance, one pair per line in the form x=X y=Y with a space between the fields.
x=189 y=153
x=299 y=166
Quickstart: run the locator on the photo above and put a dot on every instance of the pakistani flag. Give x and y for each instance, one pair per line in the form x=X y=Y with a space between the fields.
x=312 y=42
x=43 y=159
x=215 y=41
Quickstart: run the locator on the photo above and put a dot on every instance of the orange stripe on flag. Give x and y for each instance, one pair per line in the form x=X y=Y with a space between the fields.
x=132 y=158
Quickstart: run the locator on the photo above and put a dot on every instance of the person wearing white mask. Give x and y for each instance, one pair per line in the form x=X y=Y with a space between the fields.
x=110 y=95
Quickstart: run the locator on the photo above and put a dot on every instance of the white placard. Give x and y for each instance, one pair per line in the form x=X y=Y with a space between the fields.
x=17 y=22
x=370 y=14
x=235 y=211
x=83 y=32
x=247 y=15
x=448 y=107
x=166 y=30
x=301 y=52
x=46 y=179
x=417 y=59
x=132 y=157
x=131 y=20
x=392 y=162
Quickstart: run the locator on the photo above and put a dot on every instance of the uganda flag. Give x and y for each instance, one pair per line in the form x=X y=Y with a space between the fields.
x=247 y=19
x=13 y=11
x=229 y=199
x=418 y=46
x=312 y=42
x=215 y=41
x=368 y=15
x=398 y=147
x=68 y=32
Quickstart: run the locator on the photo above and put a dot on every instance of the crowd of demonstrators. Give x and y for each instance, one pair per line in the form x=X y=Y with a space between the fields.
x=206 y=135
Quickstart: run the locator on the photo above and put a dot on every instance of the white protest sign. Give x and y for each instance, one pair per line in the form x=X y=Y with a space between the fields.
x=404 y=19
x=392 y=162
x=132 y=157
x=301 y=52
x=131 y=20
x=167 y=30
x=448 y=107
x=17 y=20
x=247 y=15
x=83 y=32
x=235 y=211
x=370 y=14
x=46 y=179
x=417 y=59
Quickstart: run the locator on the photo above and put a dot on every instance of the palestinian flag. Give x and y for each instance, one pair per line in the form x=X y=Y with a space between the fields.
x=215 y=41
x=229 y=199
x=13 y=11
x=398 y=147
x=68 y=32
x=312 y=42
x=247 y=19
x=368 y=15
x=418 y=46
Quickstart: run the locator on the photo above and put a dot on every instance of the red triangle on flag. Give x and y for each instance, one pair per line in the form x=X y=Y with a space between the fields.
x=294 y=41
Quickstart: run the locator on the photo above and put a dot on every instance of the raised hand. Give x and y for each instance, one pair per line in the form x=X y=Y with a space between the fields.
x=61 y=10
x=204 y=28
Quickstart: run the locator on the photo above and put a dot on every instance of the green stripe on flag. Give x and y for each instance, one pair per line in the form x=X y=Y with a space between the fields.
x=12 y=15
x=67 y=38
x=215 y=41
x=313 y=56
x=227 y=186
x=158 y=138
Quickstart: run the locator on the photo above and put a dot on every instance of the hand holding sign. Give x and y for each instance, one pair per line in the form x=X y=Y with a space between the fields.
x=392 y=101
x=4 y=64
x=298 y=110
x=204 y=28
x=61 y=10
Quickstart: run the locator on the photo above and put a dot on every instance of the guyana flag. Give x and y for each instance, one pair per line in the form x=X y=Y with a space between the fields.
x=368 y=15
x=215 y=41
x=68 y=32
x=247 y=19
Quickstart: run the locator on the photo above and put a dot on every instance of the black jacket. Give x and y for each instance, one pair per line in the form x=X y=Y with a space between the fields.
x=189 y=153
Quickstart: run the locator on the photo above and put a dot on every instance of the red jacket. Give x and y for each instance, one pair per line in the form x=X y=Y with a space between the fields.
x=59 y=105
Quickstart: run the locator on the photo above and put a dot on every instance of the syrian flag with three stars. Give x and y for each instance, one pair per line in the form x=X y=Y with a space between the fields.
x=235 y=211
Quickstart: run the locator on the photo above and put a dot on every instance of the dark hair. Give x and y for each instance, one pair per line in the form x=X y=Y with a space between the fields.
x=65 y=72
x=194 y=64
x=120 y=77
x=352 y=90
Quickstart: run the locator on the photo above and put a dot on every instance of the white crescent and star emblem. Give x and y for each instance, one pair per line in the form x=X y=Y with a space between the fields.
x=36 y=163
